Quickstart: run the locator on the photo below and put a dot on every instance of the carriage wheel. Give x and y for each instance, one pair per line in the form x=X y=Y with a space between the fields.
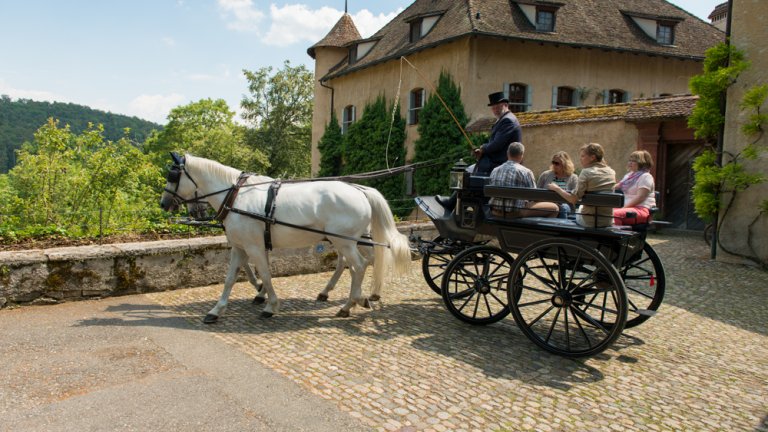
x=645 y=282
x=434 y=263
x=474 y=287
x=567 y=298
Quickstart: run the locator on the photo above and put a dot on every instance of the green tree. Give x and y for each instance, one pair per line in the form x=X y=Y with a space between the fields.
x=280 y=110
x=78 y=183
x=207 y=129
x=371 y=144
x=439 y=137
x=331 y=147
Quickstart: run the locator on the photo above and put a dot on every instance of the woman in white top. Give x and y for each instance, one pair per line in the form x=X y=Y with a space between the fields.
x=560 y=172
x=638 y=187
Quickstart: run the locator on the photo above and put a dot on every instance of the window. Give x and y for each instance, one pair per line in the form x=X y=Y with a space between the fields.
x=664 y=34
x=353 y=54
x=415 y=105
x=616 y=96
x=519 y=96
x=415 y=30
x=564 y=97
x=545 y=20
x=347 y=118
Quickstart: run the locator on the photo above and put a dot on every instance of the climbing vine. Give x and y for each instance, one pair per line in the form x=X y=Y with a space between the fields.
x=716 y=173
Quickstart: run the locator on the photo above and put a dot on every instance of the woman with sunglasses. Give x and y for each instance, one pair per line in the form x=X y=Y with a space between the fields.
x=637 y=187
x=560 y=172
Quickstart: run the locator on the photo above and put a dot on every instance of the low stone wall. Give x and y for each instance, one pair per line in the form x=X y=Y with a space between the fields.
x=76 y=273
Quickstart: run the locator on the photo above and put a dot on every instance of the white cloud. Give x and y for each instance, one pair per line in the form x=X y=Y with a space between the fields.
x=36 y=95
x=241 y=15
x=155 y=107
x=169 y=42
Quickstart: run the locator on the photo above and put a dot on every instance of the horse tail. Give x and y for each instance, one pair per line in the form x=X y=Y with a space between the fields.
x=383 y=230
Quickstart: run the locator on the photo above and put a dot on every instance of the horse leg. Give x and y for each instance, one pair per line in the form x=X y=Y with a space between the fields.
x=368 y=254
x=260 y=294
x=357 y=266
x=261 y=262
x=236 y=259
x=340 y=265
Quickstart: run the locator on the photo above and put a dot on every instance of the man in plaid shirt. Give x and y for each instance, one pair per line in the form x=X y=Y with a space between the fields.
x=513 y=174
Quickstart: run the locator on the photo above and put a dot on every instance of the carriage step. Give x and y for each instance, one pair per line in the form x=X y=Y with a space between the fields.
x=645 y=312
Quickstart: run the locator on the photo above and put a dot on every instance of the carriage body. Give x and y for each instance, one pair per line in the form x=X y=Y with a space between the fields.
x=586 y=283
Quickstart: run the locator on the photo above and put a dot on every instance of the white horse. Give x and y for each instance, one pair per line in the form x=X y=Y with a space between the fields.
x=335 y=210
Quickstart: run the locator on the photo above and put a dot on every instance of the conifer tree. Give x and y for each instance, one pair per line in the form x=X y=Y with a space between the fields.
x=330 y=146
x=366 y=149
x=440 y=137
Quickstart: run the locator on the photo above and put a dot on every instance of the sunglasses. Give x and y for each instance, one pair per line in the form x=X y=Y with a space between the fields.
x=555 y=163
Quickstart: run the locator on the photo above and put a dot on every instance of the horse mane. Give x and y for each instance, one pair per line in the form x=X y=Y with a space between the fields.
x=212 y=167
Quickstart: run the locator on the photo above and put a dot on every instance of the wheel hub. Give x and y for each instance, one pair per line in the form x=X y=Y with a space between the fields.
x=482 y=286
x=562 y=299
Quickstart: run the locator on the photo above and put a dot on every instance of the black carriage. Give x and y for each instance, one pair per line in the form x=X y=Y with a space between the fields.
x=572 y=290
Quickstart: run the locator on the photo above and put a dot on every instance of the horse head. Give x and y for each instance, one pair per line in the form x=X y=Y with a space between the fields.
x=180 y=187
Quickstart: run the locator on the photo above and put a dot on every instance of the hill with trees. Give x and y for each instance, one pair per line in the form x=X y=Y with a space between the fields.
x=19 y=119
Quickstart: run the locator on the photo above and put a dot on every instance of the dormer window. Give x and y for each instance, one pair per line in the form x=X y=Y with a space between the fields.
x=360 y=49
x=541 y=14
x=665 y=33
x=545 y=19
x=421 y=25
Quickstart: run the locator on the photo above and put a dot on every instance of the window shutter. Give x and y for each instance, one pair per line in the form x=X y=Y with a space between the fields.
x=576 y=97
x=606 y=97
x=554 y=97
x=507 y=90
x=528 y=98
x=627 y=96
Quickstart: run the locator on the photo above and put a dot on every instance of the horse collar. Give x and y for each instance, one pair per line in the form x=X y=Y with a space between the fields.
x=229 y=200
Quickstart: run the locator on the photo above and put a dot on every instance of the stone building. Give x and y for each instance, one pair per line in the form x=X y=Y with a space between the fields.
x=543 y=54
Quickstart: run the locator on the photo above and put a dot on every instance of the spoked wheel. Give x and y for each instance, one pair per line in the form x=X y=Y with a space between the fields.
x=567 y=297
x=437 y=254
x=645 y=282
x=474 y=287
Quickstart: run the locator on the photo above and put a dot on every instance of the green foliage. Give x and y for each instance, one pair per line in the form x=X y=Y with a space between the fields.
x=366 y=148
x=440 y=137
x=74 y=184
x=19 y=119
x=722 y=66
x=280 y=109
x=719 y=73
x=331 y=146
x=207 y=129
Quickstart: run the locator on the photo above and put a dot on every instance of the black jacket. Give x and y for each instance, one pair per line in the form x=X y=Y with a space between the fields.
x=504 y=132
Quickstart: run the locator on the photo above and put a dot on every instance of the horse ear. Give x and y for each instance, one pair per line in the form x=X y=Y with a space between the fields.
x=177 y=159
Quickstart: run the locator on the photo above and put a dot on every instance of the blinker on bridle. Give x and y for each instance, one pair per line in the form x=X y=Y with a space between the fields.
x=174 y=176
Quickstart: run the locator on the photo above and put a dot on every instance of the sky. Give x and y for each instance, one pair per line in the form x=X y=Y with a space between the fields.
x=144 y=57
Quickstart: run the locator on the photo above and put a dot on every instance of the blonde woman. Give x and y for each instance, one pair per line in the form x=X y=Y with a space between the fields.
x=596 y=176
x=637 y=187
x=560 y=172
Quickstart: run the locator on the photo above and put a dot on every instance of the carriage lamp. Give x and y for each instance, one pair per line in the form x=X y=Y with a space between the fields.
x=458 y=172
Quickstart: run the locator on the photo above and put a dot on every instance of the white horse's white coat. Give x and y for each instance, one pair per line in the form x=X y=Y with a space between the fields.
x=329 y=206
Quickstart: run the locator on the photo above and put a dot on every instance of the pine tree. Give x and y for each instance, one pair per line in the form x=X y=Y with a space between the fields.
x=440 y=137
x=330 y=146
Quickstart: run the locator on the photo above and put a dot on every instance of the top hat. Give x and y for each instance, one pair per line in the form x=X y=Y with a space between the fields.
x=497 y=97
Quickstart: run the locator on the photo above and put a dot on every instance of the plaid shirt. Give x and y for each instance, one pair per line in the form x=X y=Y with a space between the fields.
x=511 y=174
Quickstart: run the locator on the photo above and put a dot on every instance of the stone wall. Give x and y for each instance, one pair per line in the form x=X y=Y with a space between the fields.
x=77 y=273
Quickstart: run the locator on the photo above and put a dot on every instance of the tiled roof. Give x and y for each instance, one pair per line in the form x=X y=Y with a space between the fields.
x=604 y=24
x=343 y=33
x=670 y=107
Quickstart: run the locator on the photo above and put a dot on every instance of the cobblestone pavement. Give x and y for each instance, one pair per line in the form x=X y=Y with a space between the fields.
x=700 y=364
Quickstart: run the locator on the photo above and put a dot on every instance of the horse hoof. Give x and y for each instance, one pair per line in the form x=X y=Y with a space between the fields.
x=258 y=300
x=374 y=297
x=210 y=318
x=366 y=304
x=342 y=314
x=266 y=315
x=322 y=297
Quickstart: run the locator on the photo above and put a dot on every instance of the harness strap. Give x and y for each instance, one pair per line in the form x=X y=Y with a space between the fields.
x=229 y=199
x=269 y=211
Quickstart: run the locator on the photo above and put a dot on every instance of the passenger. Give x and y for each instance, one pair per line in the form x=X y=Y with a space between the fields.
x=513 y=174
x=596 y=176
x=493 y=153
x=638 y=188
x=560 y=172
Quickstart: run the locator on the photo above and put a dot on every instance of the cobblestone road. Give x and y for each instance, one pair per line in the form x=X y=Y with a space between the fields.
x=700 y=364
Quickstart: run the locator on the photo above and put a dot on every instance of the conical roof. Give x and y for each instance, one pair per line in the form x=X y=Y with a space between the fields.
x=340 y=35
